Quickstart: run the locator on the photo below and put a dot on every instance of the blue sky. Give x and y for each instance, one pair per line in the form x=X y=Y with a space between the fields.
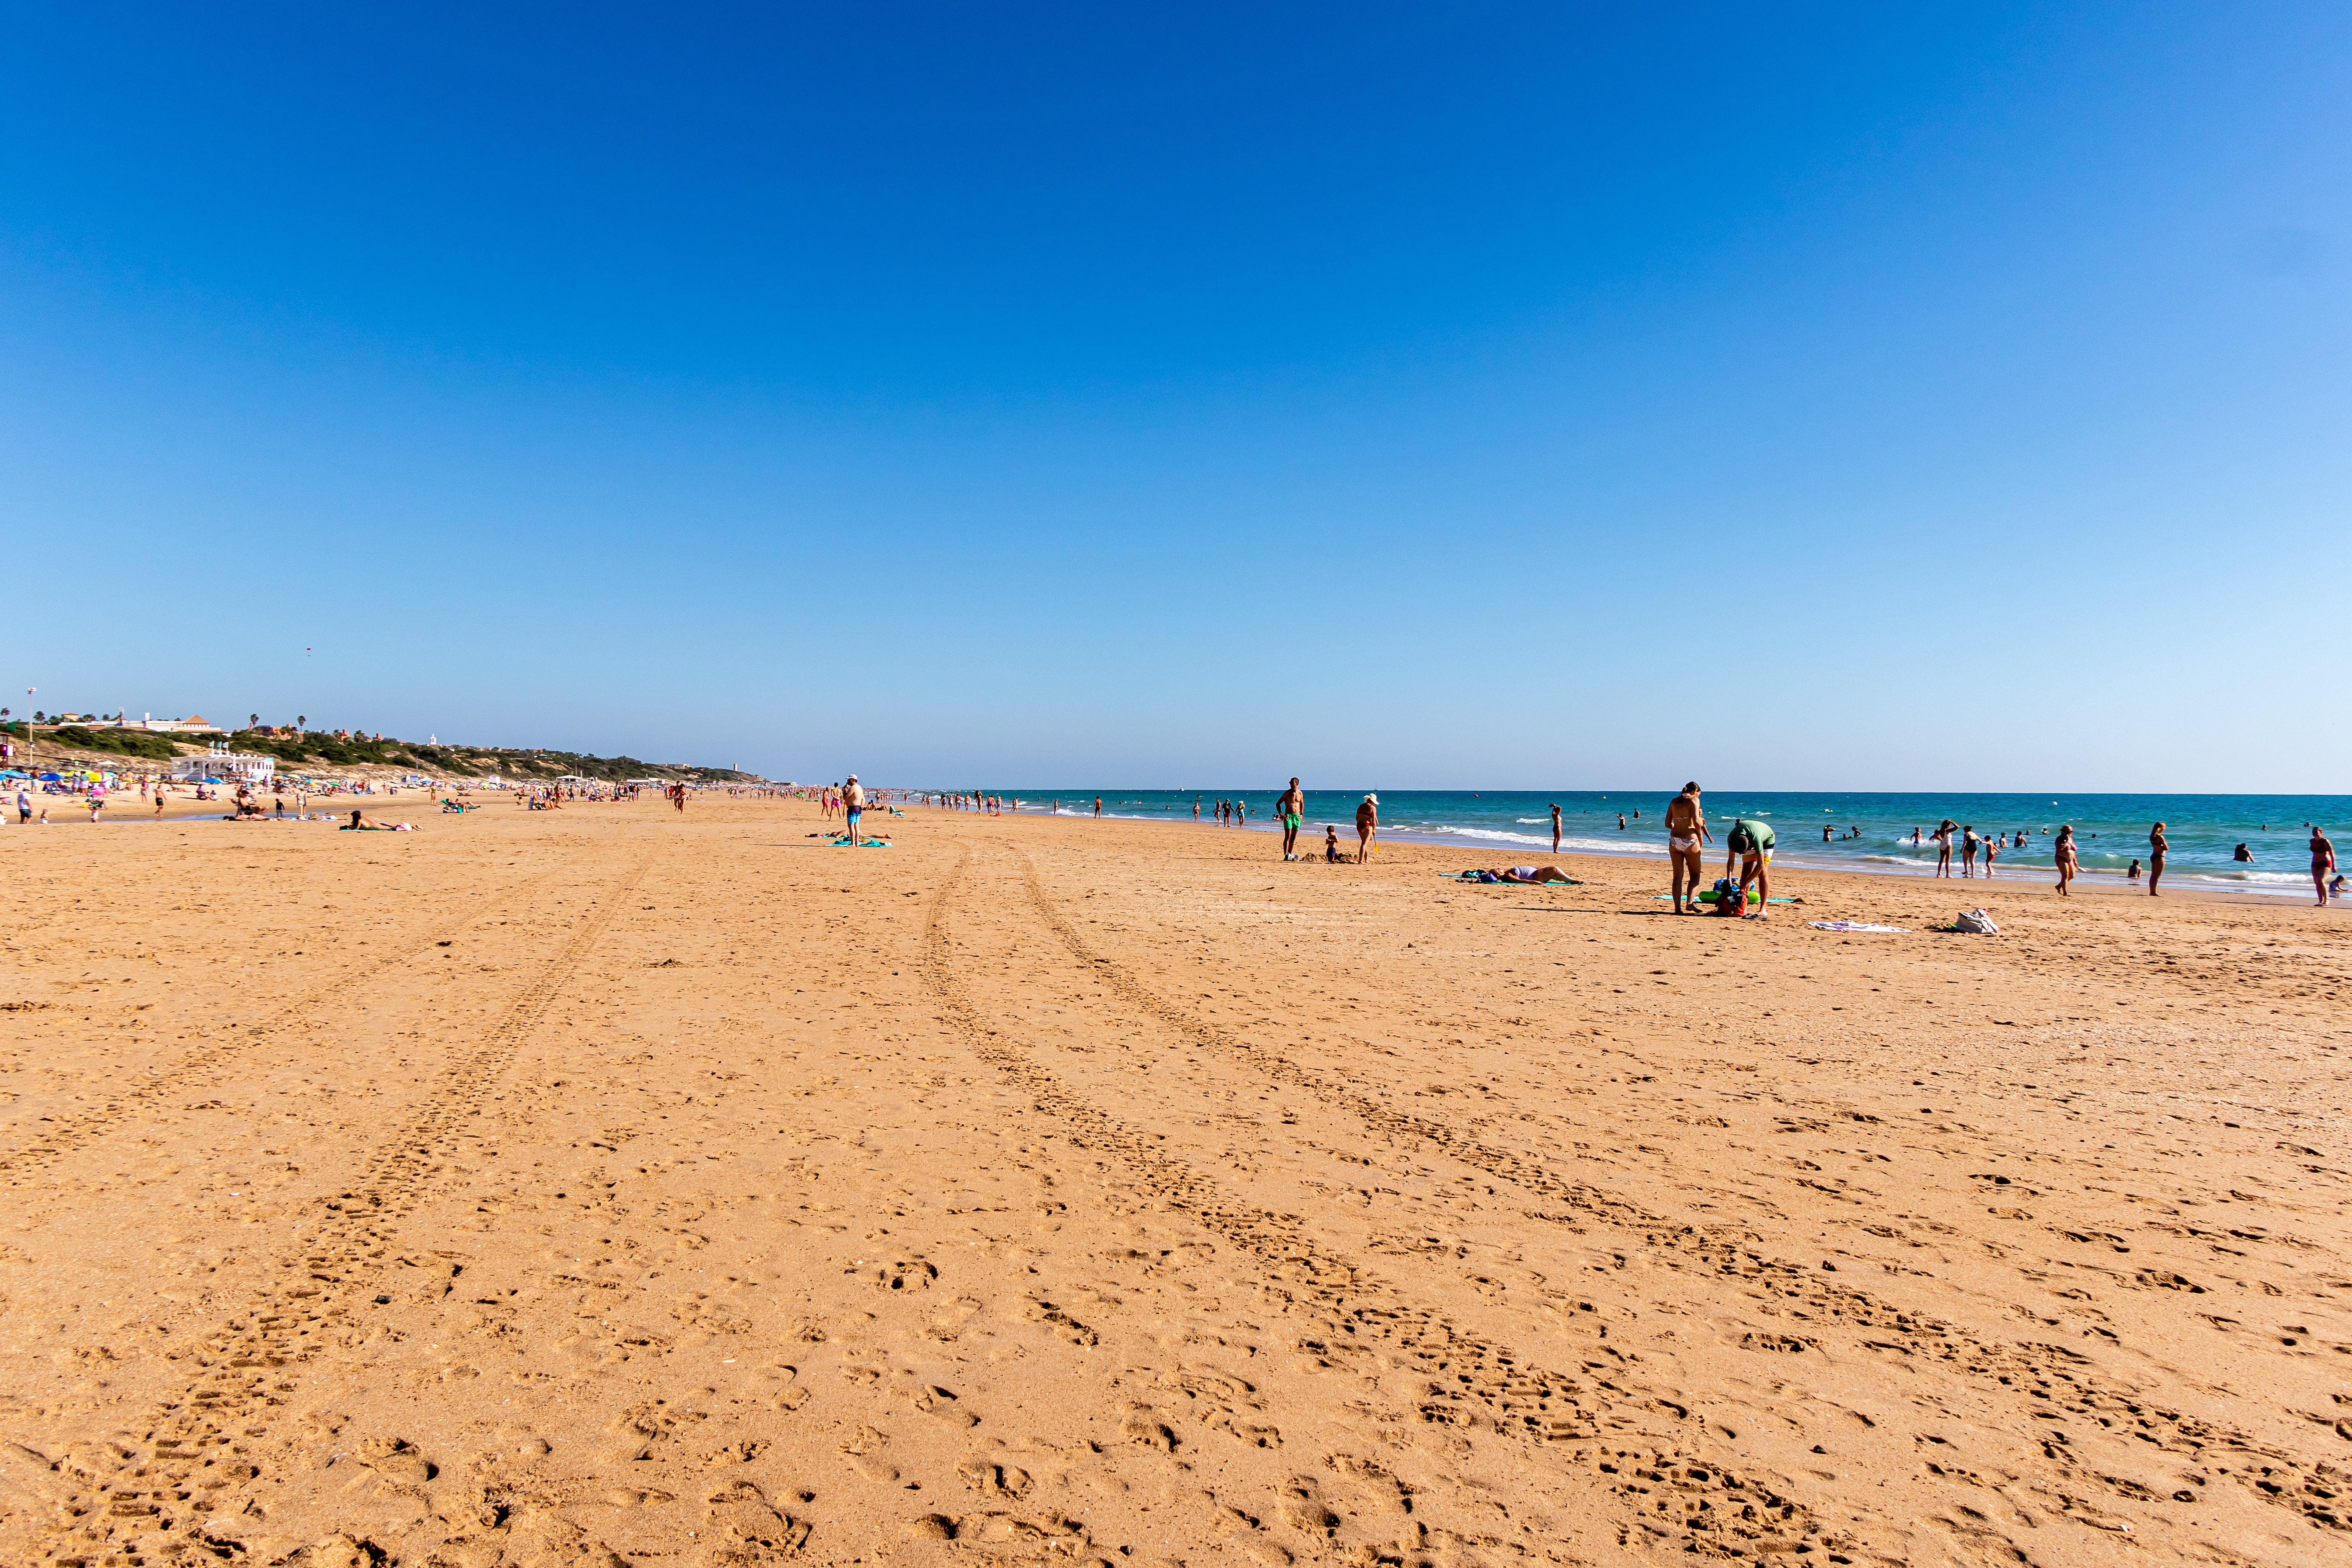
x=1826 y=398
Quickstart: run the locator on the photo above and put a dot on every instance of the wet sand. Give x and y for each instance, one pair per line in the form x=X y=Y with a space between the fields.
x=608 y=1186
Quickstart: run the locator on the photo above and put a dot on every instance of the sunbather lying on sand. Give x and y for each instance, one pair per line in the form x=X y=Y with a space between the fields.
x=1523 y=874
x=363 y=824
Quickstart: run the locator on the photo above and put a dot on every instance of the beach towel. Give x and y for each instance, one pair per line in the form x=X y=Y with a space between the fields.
x=1859 y=926
x=1489 y=877
x=862 y=844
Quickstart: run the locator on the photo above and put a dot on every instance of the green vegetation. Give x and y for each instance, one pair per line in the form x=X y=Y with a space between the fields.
x=317 y=750
x=316 y=745
x=123 y=743
x=540 y=764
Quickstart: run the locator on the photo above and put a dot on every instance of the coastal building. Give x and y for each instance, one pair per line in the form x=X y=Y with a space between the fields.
x=229 y=767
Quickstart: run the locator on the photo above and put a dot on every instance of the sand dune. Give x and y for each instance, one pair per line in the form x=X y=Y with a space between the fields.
x=611 y=1186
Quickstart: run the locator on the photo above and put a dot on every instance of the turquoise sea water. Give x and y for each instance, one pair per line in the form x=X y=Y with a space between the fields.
x=1500 y=827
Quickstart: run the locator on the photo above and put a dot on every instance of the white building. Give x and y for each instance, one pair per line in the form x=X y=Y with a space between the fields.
x=230 y=767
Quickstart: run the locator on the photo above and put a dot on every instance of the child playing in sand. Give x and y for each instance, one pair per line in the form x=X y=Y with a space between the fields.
x=1330 y=842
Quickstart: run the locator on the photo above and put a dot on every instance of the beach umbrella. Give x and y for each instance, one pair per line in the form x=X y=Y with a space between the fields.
x=51 y=778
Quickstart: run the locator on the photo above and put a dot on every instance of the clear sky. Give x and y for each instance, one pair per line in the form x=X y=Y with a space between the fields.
x=1793 y=398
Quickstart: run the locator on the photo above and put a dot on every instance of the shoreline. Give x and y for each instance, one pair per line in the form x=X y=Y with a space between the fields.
x=2101 y=883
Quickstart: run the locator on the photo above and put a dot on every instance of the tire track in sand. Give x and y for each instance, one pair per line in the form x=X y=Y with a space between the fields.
x=1350 y=1316
x=64 y=1137
x=2026 y=1375
x=152 y=1501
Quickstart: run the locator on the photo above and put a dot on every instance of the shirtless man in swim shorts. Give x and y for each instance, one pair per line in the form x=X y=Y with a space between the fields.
x=853 y=802
x=1686 y=831
x=1290 y=807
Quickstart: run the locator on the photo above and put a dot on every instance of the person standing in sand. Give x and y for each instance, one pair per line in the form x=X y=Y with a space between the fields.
x=1290 y=808
x=1368 y=822
x=853 y=805
x=1968 y=851
x=1944 y=847
x=2068 y=867
x=2323 y=861
x=2156 y=848
x=1686 y=831
x=1555 y=827
x=1097 y=806
x=1750 y=842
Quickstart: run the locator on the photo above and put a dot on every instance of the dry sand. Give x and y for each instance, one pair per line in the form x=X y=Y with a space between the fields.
x=611 y=1186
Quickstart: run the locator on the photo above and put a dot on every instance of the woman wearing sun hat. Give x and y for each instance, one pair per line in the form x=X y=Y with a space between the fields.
x=1368 y=822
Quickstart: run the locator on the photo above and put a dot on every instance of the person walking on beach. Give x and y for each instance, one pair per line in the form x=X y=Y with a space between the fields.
x=1686 y=831
x=1555 y=827
x=1097 y=806
x=1968 y=851
x=2323 y=861
x=1992 y=851
x=1290 y=807
x=2068 y=867
x=1368 y=822
x=1751 y=843
x=2156 y=848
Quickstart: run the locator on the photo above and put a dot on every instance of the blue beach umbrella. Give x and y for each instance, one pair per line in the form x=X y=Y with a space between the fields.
x=51 y=778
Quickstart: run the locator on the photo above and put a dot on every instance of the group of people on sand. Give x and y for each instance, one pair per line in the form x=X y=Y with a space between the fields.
x=1292 y=810
x=1748 y=841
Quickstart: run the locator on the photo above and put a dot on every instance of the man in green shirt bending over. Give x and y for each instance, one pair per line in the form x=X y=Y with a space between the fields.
x=1751 y=843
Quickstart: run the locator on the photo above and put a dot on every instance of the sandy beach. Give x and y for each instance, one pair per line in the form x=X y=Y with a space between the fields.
x=608 y=1186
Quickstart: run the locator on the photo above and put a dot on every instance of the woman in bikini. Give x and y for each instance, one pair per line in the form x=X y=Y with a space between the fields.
x=2155 y=847
x=2068 y=867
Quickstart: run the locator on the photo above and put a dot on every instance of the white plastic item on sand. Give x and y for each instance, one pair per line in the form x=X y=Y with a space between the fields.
x=1976 y=923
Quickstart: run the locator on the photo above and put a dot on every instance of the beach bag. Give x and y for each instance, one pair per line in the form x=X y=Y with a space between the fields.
x=1976 y=923
x=1730 y=899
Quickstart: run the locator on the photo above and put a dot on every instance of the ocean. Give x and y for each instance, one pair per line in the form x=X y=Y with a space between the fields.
x=1500 y=827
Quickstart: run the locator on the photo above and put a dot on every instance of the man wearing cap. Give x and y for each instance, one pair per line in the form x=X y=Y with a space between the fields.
x=1750 y=842
x=852 y=803
x=1290 y=808
x=1368 y=822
